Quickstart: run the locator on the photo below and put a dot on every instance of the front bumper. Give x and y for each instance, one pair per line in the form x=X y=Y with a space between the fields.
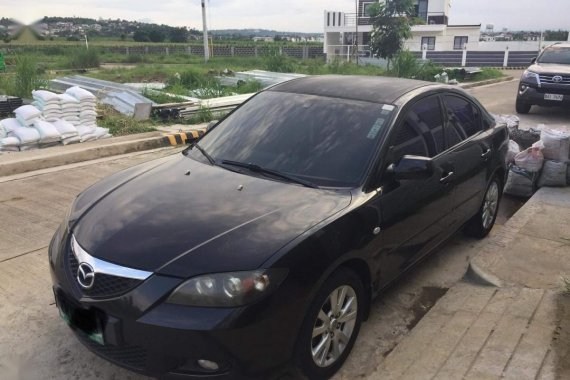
x=534 y=95
x=144 y=334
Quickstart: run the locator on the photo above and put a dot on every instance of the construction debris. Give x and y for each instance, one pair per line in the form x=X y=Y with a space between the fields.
x=125 y=99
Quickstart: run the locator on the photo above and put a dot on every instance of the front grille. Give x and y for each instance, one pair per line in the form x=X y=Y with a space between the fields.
x=128 y=356
x=549 y=78
x=105 y=286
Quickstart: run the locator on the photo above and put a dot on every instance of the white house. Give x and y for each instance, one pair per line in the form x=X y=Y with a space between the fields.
x=436 y=33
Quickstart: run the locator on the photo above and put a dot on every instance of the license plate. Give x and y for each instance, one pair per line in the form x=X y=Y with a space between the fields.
x=83 y=320
x=555 y=97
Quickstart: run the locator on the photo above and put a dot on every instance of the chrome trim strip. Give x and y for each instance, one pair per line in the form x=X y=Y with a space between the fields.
x=104 y=267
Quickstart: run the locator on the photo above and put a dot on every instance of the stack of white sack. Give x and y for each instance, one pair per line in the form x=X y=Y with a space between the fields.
x=88 y=104
x=68 y=132
x=49 y=135
x=70 y=108
x=8 y=125
x=87 y=132
x=29 y=137
x=48 y=103
x=102 y=133
x=27 y=114
x=9 y=144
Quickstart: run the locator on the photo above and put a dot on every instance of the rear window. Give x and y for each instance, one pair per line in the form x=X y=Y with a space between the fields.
x=556 y=55
x=327 y=141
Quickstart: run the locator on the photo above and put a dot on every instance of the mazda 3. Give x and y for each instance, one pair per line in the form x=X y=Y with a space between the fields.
x=260 y=247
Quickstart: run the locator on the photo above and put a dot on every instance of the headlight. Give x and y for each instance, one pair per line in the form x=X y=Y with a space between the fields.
x=227 y=289
x=531 y=77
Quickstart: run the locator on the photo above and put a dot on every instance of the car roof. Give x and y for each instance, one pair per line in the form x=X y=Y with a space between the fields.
x=557 y=46
x=374 y=89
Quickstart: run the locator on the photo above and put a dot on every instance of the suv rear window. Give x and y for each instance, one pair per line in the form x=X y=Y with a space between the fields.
x=556 y=55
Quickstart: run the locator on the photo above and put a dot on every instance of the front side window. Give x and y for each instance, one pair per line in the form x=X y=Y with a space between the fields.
x=460 y=43
x=327 y=141
x=421 y=133
x=429 y=41
x=464 y=118
x=560 y=56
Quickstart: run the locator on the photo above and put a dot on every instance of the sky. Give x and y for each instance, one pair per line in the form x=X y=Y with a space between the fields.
x=289 y=15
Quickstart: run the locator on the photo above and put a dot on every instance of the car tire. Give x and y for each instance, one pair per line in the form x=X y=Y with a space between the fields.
x=481 y=224
x=522 y=107
x=315 y=332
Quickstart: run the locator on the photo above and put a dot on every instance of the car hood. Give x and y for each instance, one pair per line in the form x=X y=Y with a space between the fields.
x=550 y=68
x=158 y=217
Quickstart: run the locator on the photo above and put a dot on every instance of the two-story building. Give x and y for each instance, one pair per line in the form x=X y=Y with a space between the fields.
x=433 y=32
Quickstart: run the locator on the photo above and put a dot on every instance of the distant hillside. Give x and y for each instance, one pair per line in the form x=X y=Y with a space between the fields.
x=249 y=33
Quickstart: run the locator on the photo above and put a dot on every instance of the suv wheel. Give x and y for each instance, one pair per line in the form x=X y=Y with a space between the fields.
x=331 y=325
x=522 y=107
x=482 y=223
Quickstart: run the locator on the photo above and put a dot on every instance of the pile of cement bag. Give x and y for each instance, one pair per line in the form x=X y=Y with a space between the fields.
x=544 y=163
x=52 y=119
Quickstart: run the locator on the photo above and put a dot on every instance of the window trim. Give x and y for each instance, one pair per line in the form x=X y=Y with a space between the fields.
x=362 y=11
x=429 y=47
x=461 y=45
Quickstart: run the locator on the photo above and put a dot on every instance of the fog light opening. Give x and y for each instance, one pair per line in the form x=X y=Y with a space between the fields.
x=208 y=365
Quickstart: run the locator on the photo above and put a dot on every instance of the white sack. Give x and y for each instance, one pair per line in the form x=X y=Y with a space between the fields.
x=71 y=140
x=26 y=135
x=65 y=128
x=10 y=124
x=9 y=144
x=45 y=96
x=48 y=132
x=25 y=114
x=514 y=149
x=530 y=159
x=556 y=144
x=553 y=174
x=101 y=132
x=79 y=93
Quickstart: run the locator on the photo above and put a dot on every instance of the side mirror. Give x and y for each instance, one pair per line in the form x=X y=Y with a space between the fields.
x=412 y=168
x=533 y=61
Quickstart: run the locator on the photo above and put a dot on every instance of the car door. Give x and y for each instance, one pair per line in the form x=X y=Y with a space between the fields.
x=414 y=213
x=470 y=150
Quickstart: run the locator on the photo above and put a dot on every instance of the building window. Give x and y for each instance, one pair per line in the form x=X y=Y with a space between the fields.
x=429 y=41
x=421 y=9
x=366 y=9
x=460 y=42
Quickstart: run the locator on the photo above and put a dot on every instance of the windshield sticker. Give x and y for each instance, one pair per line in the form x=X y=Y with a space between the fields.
x=376 y=128
x=387 y=107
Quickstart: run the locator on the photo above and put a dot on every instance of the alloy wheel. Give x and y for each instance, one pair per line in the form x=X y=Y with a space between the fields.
x=334 y=326
x=490 y=205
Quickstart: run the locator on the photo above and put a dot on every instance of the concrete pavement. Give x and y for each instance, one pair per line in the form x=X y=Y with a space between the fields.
x=520 y=330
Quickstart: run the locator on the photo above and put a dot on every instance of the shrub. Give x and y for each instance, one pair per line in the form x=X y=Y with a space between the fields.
x=406 y=65
x=120 y=125
x=84 y=59
x=134 y=58
x=276 y=61
x=249 y=86
x=26 y=78
x=203 y=115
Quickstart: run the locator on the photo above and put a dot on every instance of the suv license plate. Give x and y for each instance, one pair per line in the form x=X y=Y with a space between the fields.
x=555 y=97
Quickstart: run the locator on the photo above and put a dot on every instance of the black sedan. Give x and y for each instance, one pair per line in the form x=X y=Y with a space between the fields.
x=260 y=248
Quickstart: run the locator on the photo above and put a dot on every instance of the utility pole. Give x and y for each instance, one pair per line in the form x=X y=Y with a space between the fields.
x=356 y=4
x=206 y=47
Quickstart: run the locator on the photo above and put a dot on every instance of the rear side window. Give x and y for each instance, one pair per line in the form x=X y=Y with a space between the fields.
x=464 y=117
x=421 y=133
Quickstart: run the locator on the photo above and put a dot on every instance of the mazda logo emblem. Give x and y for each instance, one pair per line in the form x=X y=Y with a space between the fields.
x=85 y=276
x=557 y=79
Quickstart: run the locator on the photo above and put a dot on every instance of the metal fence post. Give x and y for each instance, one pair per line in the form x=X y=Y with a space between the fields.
x=348 y=54
x=506 y=60
x=255 y=51
x=233 y=50
x=424 y=52
x=167 y=51
x=464 y=58
x=127 y=50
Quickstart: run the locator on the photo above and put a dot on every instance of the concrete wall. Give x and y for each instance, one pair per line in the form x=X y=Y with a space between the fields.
x=439 y=6
x=512 y=45
x=445 y=41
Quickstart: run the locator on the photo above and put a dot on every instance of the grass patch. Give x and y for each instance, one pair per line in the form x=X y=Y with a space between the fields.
x=84 y=59
x=26 y=77
x=486 y=74
x=121 y=125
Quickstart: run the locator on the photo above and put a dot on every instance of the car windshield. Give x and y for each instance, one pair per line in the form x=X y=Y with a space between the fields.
x=327 y=141
x=557 y=55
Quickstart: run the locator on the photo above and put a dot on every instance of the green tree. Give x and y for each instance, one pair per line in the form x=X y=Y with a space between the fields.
x=141 y=36
x=555 y=35
x=156 y=35
x=178 y=35
x=392 y=23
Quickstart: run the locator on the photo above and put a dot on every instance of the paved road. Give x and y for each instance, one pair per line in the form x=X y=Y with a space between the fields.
x=34 y=338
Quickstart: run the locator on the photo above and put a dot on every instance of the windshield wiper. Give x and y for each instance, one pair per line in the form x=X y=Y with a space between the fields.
x=210 y=158
x=259 y=169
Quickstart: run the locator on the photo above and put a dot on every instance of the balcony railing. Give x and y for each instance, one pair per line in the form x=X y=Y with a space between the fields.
x=339 y=19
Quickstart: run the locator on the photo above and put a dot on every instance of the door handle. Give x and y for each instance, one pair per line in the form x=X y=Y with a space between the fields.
x=486 y=154
x=447 y=177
